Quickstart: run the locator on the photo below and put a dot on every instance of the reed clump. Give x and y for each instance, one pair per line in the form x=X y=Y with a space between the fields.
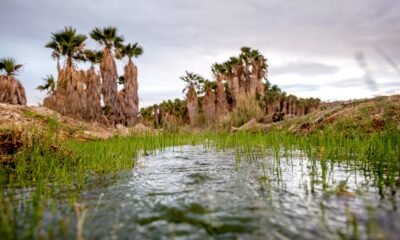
x=246 y=110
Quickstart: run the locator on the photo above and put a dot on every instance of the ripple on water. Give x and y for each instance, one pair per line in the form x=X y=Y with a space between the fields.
x=191 y=193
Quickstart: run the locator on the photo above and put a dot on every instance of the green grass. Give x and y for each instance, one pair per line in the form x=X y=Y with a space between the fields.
x=49 y=170
x=376 y=155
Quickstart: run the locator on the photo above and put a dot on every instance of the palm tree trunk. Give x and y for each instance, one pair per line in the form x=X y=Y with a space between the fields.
x=70 y=96
x=284 y=106
x=109 y=89
x=58 y=65
x=235 y=87
x=253 y=83
x=93 y=95
x=260 y=85
x=192 y=106
x=131 y=97
x=11 y=91
x=260 y=88
x=209 y=106
x=242 y=85
x=221 y=102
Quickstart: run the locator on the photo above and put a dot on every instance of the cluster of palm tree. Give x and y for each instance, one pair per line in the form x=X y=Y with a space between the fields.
x=274 y=99
x=11 y=90
x=167 y=113
x=79 y=93
x=239 y=78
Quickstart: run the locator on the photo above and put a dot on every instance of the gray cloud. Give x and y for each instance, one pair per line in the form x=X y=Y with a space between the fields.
x=350 y=82
x=306 y=69
x=361 y=82
x=179 y=35
x=302 y=87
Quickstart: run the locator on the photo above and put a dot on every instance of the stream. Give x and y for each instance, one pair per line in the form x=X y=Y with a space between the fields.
x=193 y=192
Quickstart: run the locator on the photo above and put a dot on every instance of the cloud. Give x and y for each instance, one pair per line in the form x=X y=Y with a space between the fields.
x=190 y=35
x=299 y=87
x=307 y=69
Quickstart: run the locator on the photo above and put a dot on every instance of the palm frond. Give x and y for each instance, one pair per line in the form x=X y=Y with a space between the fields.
x=49 y=84
x=67 y=43
x=10 y=66
x=107 y=36
x=97 y=35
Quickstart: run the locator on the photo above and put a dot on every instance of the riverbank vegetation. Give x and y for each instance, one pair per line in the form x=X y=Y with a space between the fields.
x=240 y=82
x=92 y=95
x=47 y=172
x=11 y=90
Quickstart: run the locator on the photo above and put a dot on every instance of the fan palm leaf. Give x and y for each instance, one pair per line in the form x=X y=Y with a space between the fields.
x=107 y=36
x=49 y=84
x=10 y=66
x=67 y=43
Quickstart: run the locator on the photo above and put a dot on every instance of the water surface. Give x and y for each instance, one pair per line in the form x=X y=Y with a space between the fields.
x=193 y=192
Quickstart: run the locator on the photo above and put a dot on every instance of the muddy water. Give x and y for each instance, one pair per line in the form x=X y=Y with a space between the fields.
x=192 y=192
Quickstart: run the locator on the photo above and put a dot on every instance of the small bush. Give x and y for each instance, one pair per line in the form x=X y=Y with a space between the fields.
x=246 y=110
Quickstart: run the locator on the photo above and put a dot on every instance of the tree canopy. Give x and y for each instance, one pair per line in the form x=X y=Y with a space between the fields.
x=67 y=43
x=9 y=66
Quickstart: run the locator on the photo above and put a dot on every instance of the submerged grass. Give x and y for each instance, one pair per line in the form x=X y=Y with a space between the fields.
x=376 y=155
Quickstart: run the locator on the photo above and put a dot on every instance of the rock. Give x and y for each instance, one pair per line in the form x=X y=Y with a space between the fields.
x=251 y=125
x=267 y=118
x=122 y=130
x=248 y=125
x=289 y=116
x=140 y=128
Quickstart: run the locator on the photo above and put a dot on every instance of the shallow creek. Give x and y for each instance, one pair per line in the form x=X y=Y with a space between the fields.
x=193 y=192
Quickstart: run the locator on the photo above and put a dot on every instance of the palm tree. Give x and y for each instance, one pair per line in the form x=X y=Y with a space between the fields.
x=130 y=93
x=271 y=98
x=92 y=56
x=93 y=85
x=231 y=72
x=258 y=73
x=244 y=62
x=10 y=66
x=209 y=101
x=109 y=38
x=131 y=51
x=252 y=79
x=49 y=85
x=11 y=90
x=193 y=81
x=67 y=43
x=220 y=71
x=69 y=96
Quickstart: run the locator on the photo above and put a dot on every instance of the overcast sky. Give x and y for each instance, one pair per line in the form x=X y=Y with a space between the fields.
x=313 y=47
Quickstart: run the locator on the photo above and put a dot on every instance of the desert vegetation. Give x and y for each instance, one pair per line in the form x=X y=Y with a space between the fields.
x=11 y=90
x=240 y=85
x=92 y=95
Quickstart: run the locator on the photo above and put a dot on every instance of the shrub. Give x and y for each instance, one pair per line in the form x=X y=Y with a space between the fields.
x=246 y=109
